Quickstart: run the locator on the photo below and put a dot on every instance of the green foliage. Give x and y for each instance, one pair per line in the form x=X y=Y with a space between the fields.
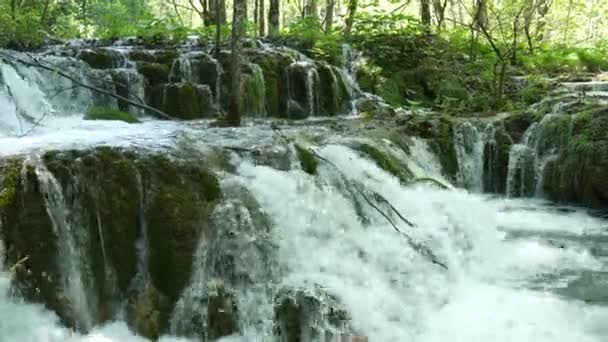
x=105 y=113
x=536 y=87
x=308 y=161
x=21 y=31
x=309 y=37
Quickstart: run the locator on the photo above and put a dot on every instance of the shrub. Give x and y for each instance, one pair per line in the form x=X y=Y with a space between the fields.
x=106 y=113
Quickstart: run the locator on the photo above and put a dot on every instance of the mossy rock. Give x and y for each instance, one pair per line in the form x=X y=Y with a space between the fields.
x=222 y=313
x=106 y=113
x=142 y=56
x=166 y=57
x=517 y=124
x=101 y=188
x=496 y=162
x=209 y=72
x=154 y=73
x=298 y=82
x=182 y=101
x=299 y=311
x=147 y=312
x=308 y=161
x=97 y=59
x=181 y=196
x=274 y=68
x=27 y=232
x=386 y=162
x=438 y=131
x=330 y=92
x=579 y=175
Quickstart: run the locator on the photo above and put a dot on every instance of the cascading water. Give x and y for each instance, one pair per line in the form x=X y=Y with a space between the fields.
x=294 y=253
x=469 y=145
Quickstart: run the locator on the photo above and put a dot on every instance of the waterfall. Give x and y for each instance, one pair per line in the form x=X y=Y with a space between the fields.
x=469 y=145
x=312 y=242
x=182 y=70
x=72 y=237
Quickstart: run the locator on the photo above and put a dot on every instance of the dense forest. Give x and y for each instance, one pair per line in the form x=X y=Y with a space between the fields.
x=456 y=56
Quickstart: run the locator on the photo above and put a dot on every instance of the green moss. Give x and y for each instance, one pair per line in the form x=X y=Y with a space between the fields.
x=386 y=162
x=155 y=73
x=555 y=133
x=181 y=101
x=255 y=91
x=330 y=91
x=536 y=88
x=496 y=162
x=516 y=124
x=443 y=143
x=166 y=56
x=98 y=59
x=10 y=178
x=308 y=161
x=181 y=197
x=105 y=113
x=28 y=231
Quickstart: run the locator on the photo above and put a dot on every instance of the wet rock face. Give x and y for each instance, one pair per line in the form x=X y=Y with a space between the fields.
x=496 y=161
x=30 y=242
x=579 y=175
x=101 y=200
x=300 y=315
x=276 y=82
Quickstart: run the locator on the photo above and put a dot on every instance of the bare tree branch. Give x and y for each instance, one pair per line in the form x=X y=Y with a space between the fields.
x=37 y=64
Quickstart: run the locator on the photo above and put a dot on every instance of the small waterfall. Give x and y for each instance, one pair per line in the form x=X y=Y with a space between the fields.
x=71 y=239
x=255 y=91
x=469 y=144
x=23 y=103
x=234 y=270
x=182 y=70
x=540 y=145
x=311 y=92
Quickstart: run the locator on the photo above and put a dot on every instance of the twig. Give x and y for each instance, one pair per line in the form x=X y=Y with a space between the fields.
x=61 y=91
x=18 y=263
x=420 y=248
x=36 y=124
x=36 y=64
x=239 y=149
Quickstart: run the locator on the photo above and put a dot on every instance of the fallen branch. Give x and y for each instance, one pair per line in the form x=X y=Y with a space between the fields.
x=35 y=63
x=429 y=180
x=418 y=247
x=17 y=264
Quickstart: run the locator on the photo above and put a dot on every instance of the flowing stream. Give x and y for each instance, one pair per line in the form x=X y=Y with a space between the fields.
x=518 y=269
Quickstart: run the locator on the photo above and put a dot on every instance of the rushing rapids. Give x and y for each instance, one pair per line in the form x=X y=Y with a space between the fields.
x=277 y=231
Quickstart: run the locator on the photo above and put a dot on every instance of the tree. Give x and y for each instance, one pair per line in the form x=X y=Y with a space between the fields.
x=273 y=17
x=262 y=18
x=425 y=12
x=329 y=15
x=239 y=18
x=350 y=16
x=311 y=9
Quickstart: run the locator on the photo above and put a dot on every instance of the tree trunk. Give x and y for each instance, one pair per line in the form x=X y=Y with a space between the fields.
x=44 y=12
x=311 y=9
x=439 y=8
x=262 y=18
x=350 y=16
x=329 y=15
x=481 y=15
x=425 y=12
x=216 y=12
x=13 y=8
x=238 y=34
x=273 y=18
